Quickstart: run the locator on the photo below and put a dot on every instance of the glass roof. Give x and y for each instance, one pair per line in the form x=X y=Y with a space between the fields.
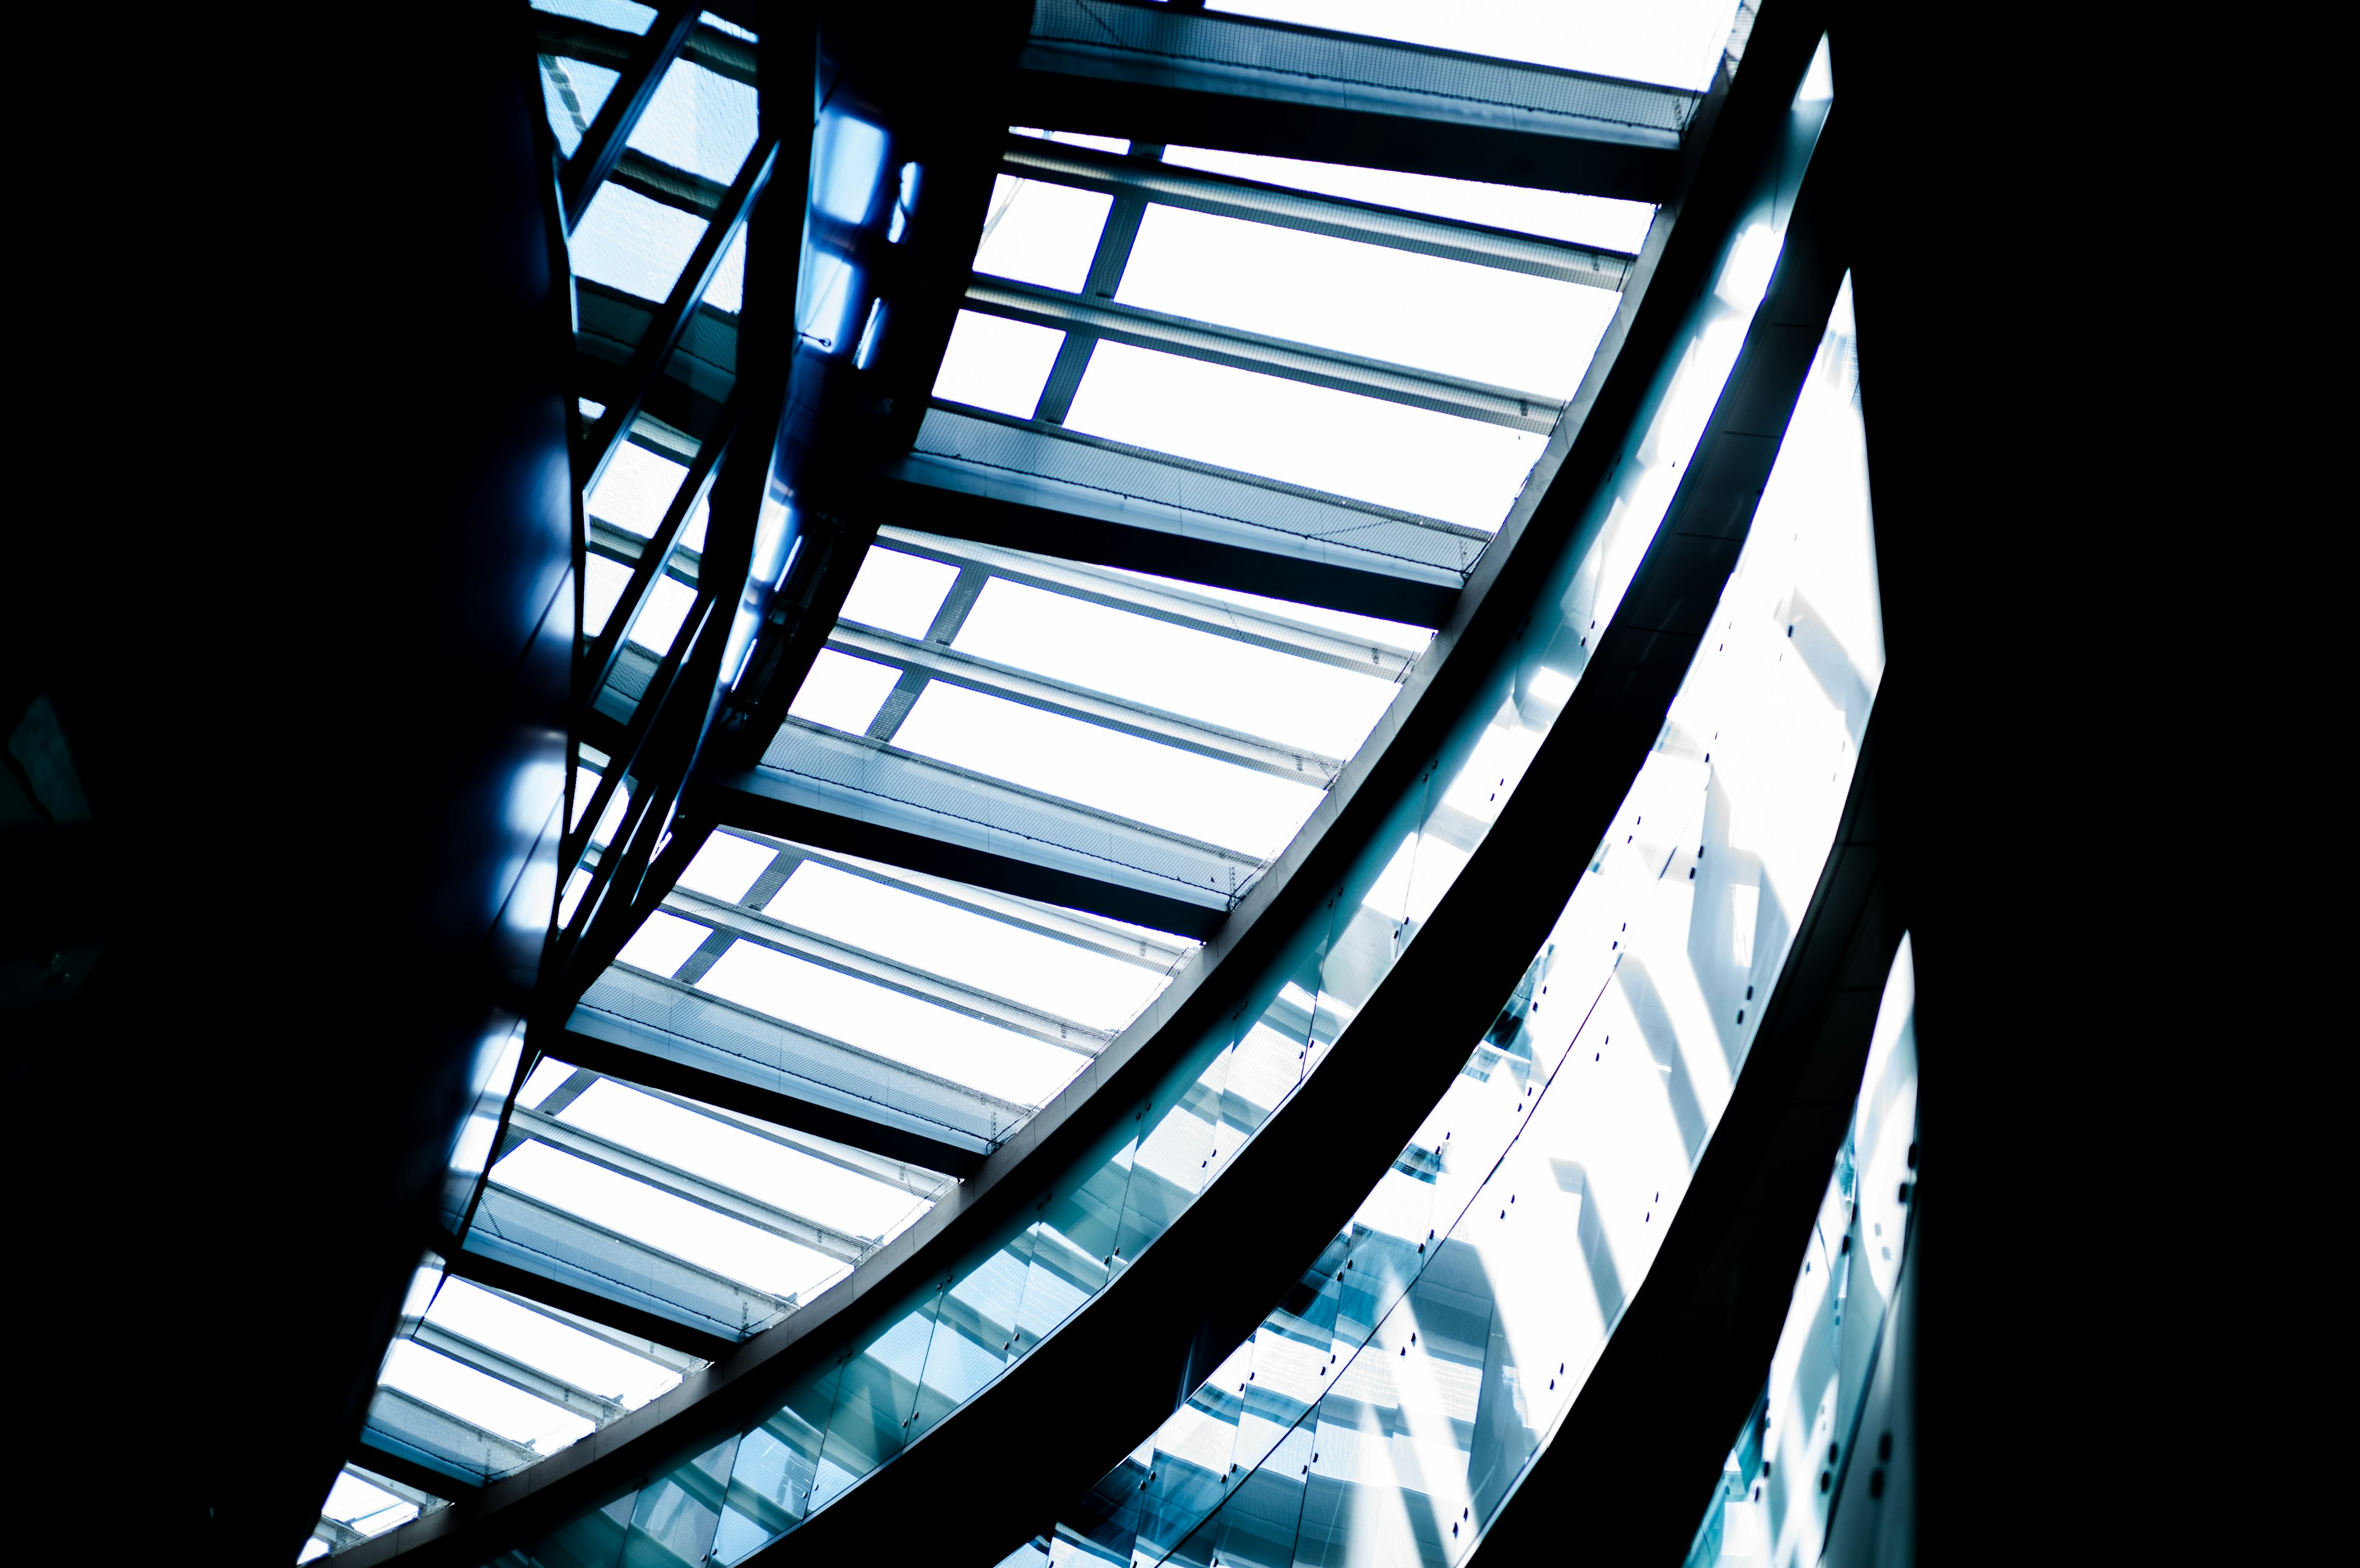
x=1348 y=367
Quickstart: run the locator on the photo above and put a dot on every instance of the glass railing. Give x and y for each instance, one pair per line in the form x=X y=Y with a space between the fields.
x=1386 y=1411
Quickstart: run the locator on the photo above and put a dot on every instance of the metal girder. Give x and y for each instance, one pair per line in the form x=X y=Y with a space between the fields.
x=1042 y=488
x=1129 y=945
x=587 y=1306
x=1220 y=196
x=752 y=925
x=708 y=45
x=642 y=74
x=401 y=1468
x=595 y=1407
x=660 y=181
x=663 y=332
x=1184 y=77
x=938 y=663
x=663 y=1016
x=1172 y=602
x=625 y=1160
x=1239 y=350
x=859 y=779
x=632 y=1058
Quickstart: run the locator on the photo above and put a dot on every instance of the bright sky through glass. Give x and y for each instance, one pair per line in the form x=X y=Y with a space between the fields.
x=586 y=84
x=1509 y=329
x=732 y=1248
x=1039 y=233
x=1456 y=470
x=603 y=583
x=663 y=943
x=893 y=1024
x=742 y=1161
x=669 y=602
x=633 y=243
x=993 y=362
x=991 y=956
x=1676 y=42
x=480 y=1398
x=621 y=14
x=843 y=693
x=1180 y=792
x=636 y=489
x=699 y=121
x=897 y=592
x=1555 y=215
x=726 y=867
x=559 y=1349
x=1178 y=669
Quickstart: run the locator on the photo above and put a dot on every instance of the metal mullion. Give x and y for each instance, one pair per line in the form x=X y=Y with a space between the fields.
x=680 y=1361
x=1241 y=350
x=656 y=551
x=664 y=333
x=1098 y=585
x=338 y=1534
x=1116 y=944
x=1365 y=222
x=673 y=187
x=704 y=1192
x=413 y=1496
x=736 y=1287
x=1116 y=236
x=914 y=1180
x=601 y=144
x=782 y=936
x=515 y=1373
x=1086 y=706
x=885 y=1064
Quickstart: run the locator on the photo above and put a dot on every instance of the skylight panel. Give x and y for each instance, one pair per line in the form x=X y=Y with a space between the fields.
x=726 y=866
x=691 y=1231
x=699 y=121
x=603 y=579
x=1458 y=471
x=636 y=490
x=1038 y=233
x=994 y=363
x=843 y=693
x=669 y=602
x=559 y=1349
x=623 y=15
x=1508 y=329
x=1675 y=42
x=548 y=1076
x=480 y=1398
x=898 y=593
x=1218 y=680
x=370 y=1509
x=1179 y=792
x=974 y=949
x=785 y=1178
x=1600 y=221
x=893 y=1024
x=630 y=242
x=663 y=945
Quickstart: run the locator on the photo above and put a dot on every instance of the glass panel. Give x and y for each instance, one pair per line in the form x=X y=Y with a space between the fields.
x=698 y=121
x=573 y=91
x=633 y=243
x=898 y=593
x=1038 y=233
x=1456 y=469
x=1676 y=42
x=993 y=362
x=623 y=15
x=1180 y=792
x=1505 y=328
